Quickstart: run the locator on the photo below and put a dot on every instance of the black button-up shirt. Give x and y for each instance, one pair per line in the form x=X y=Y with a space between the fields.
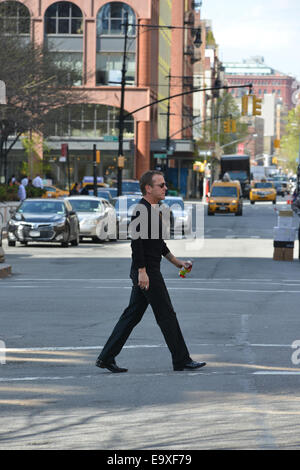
x=147 y=243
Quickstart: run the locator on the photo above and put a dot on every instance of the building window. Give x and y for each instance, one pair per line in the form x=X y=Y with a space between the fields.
x=87 y=121
x=108 y=69
x=110 y=44
x=63 y=18
x=14 y=18
x=112 y=16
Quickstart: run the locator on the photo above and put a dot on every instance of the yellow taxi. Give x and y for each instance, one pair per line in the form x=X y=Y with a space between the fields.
x=54 y=192
x=262 y=191
x=225 y=197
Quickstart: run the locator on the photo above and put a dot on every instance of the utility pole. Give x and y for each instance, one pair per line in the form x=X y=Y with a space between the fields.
x=121 y=115
x=94 y=170
x=168 y=124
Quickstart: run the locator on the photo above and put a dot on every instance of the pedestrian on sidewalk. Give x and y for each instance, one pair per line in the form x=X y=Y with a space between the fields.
x=21 y=190
x=149 y=286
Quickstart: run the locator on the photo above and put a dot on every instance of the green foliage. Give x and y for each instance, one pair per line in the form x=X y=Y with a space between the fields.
x=10 y=193
x=290 y=141
x=214 y=129
x=210 y=39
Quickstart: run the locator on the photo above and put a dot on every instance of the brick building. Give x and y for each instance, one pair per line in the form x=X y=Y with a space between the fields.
x=265 y=80
x=89 y=34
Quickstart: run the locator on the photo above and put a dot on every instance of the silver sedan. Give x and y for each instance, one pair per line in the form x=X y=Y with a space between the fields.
x=97 y=217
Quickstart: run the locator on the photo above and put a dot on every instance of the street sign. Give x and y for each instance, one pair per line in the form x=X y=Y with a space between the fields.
x=110 y=138
x=64 y=153
x=160 y=155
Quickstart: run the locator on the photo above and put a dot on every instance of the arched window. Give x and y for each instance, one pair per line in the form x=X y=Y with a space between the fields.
x=63 y=18
x=87 y=121
x=112 y=16
x=14 y=18
x=110 y=44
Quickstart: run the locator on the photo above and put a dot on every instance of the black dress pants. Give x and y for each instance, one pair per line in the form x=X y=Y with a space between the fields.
x=158 y=297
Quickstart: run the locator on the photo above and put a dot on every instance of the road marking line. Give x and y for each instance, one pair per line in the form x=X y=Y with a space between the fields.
x=282 y=372
x=77 y=348
x=149 y=374
x=206 y=289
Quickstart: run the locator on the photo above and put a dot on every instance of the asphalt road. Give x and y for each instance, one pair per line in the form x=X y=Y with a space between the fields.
x=239 y=312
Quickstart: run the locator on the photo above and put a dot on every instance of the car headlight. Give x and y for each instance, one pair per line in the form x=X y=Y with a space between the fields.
x=14 y=223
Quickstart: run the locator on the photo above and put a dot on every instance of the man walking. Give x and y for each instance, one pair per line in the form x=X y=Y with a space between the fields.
x=149 y=286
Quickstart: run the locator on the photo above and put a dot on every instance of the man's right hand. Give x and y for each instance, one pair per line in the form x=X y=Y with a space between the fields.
x=143 y=279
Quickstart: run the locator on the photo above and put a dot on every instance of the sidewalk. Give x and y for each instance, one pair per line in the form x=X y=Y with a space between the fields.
x=5 y=269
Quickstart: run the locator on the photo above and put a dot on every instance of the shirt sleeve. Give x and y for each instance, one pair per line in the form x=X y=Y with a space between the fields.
x=165 y=250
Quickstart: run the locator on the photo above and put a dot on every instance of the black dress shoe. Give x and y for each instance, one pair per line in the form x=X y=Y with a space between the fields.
x=111 y=366
x=192 y=365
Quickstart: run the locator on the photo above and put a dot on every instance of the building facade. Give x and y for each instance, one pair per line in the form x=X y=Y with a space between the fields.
x=265 y=80
x=89 y=34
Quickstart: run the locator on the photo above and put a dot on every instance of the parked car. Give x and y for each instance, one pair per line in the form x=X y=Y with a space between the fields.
x=130 y=187
x=54 y=192
x=97 y=217
x=124 y=206
x=263 y=191
x=180 y=217
x=43 y=220
x=103 y=193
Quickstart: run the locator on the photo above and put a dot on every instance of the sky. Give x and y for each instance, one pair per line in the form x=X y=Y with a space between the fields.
x=268 y=28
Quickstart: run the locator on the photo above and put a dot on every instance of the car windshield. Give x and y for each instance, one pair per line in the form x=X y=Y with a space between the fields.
x=42 y=207
x=173 y=202
x=238 y=175
x=224 y=191
x=133 y=186
x=104 y=194
x=263 y=185
x=125 y=203
x=85 y=205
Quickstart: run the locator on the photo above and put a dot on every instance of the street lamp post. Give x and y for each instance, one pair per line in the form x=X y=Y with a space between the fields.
x=121 y=115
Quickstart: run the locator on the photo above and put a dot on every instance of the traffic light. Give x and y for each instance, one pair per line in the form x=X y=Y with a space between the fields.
x=121 y=161
x=233 y=126
x=97 y=156
x=230 y=126
x=274 y=161
x=245 y=105
x=277 y=143
x=256 y=106
x=227 y=127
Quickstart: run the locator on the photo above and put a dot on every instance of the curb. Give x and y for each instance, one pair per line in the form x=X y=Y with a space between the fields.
x=5 y=271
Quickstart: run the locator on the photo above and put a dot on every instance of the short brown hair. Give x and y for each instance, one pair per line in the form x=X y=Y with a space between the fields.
x=146 y=178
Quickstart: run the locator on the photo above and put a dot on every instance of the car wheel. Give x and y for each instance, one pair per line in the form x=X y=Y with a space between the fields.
x=210 y=213
x=274 y=202
x=11 y=243
x=96 y=240
x=252 y=202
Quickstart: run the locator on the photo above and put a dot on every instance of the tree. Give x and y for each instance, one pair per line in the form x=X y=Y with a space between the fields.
x=35 y=85
x=290 y=141
x=225 y=108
